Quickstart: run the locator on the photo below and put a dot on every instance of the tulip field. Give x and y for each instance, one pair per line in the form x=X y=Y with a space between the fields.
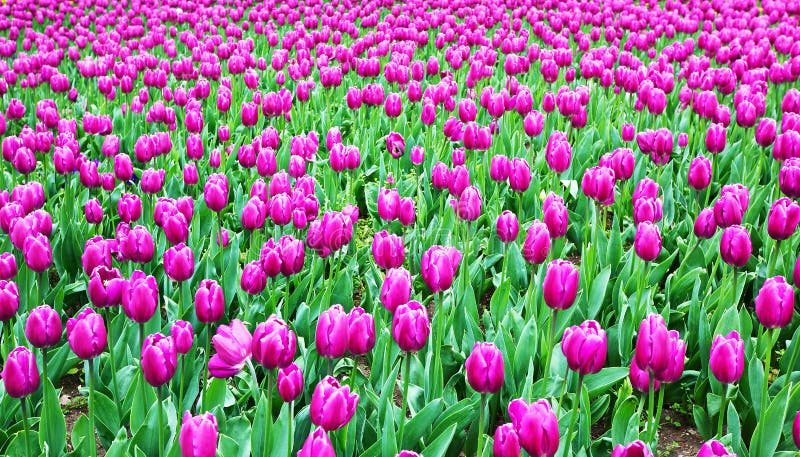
x=432 y=228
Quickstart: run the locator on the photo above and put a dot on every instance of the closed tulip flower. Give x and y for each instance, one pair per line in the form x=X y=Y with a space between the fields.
x=290 y=382
x=96 y=253
x=598 y=184
x=438 y=267
x=558 y=152
x=411 y=326
x=332 y=405
x=9 y=300
x=440 y=176
x=714 y=448
x=536 y=426
x=735 y=246
x=361 y=331
x=407 y=213
x=159 y=359
x=274 y=344
x=519 y=175
x=317 y=444
x=8 y=266
x=728 y=210
x=43 y=327
x=388 y=204
x=388 y=250
x=775 y=303
x=139 y=246
x=647 y=242
x=652 y=345
x=647 y=210
x=765 y=132
x=677 y=358
x=458 y=180
x=182 y=336
x=715 y=138
x=560 y=285
x=699 y=173
x=20 y=373
x=152 y=181
x=129 y=208
x=93 y=211
x=506 y=441
x=209 y=301
x=705 y=225
x=396 y=288
x=37 y=253
x=628 y=132
x=215 y=192
x=469 y=204
x=783 y=218
x=140 y=297
x=507 y=226
x=106 y=286
x=485 y=368
x=331 y=334
x=585 y=347
x=86 y=334
x=635 y=449
x=537 y=243
x=179 y=262
x=233 y=345
x=199 y=435
x=500 y=168
x=727 y=357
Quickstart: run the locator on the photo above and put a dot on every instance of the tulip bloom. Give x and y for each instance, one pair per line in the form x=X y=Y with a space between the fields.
x=506 y=441
x=727 y=357
x=735 y=246
x=159 y=359
x=775 y=303
x=438 y=267
x=507 y=226
x=182 y=336
x=537 y=243
x=317 y=444
x=332 y=405
x=560 y=285
x=8 y=266
x=179 y=262
x=209 y=301
x=699 y=173
x=585 y=347
x=411 y=326
x=647 y=242
x=43 y=327
x=199 y=435
x=9 y=300
x=485 y=368
x=361 y=331
x=290 y=382
x=233 y=345
x=274 y=344
x=87 y=335
x=331 y=334
x=140 y=297
x=782 y=220
x=396 y=288
x=20 y=374
x=536 y=426
x=714 y=448
x=106 y=287
x=388 y=250
x=652 y=344
x=635 y=449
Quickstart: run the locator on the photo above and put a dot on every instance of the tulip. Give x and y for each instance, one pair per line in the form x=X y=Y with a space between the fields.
x=652 y=343
x=585 y=347
x=560 y=285
x=458 y=180
x=782 y=219
x=728 y=210
x=677 y=359
x=765 y=132
x=215 y=192
x=715 y=138
x=507 y=226
x=140 y=297
x=209 y=301
x=536 y=426
x=20 y=374
x=647 y=242
x=159 y=359
x=37 y=253
x=628 y=132
x=558 y=152
x=332 y=405
x=199 y=435
x=598 y=184
x=8 y=266
x=106 y=286
x=640 y=379
x=388 y=204
x=484 y=368
x=43 y=327
x=129 y=208
x=714 y=448
x=519 y=175
x=500 y=168
x=438 y=267
x=290 y=382
x=635 y=449
x=537 y=243
x=139 y=246
x=388 y=250
x=796 y=430
x=361 y=331
x=410 y=326
x=699 y=173
x=274 y=344
x=727 y=358
x=396 y=288
x=179 y=262
x=395 y=144
x=233 y=345
x=9 y=300
x=86 y=334
x=93 y=211
x=469 y=203
x=182 y=336
x=506 y=441
x=440 y=176
x=317 y=444
x=332 y=333
x=735 y=246
x=775 y=303
x=705 y=225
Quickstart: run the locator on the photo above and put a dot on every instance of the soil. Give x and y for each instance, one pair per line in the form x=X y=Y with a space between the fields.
x=677 y=436
x=74 y=406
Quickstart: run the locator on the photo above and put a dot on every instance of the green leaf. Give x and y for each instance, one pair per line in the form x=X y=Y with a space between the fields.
x=598 y=292
x=53 y=428
x=82 y=436
x=421 y=422
x=389 y=447
x=603 y=380
x=768 y=432
x=259 y=424
x=623 y=413
x=439 y=446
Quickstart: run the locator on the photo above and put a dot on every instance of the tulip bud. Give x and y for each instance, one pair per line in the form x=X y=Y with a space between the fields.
x=438 y=267
x=388 y=250
x=209 y=301
x=783 y=218
x=727 y=357
x=140 y=297
x=9 y=300
x=179 y=262
x=585 y=347
x=332 y=405
x=43 y=327
x=537 y=243
x=506 y=441
x=199 y=435
x=20 y=373
x=560 y=285
x=8 y=266
x=86 y=334
x=317 y=444
x=699 y=173
x=290 y=382
x=536 y=426
x=106 y=286
x=775 y=303
x=159 y=359
x=507 y=226
x=652 y=344
x=484 y=368
x=647 y=242
x=182 y=336
x=714 y=448
x=735 y=246
x=331 y=334
x=396 y=288
x=361 y=331
x=410 y=326
x=274 y=345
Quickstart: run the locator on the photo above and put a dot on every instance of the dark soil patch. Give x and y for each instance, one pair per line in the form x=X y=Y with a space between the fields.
x=74 y=405
x=677 y=436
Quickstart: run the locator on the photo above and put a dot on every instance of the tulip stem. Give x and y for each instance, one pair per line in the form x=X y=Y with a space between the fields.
x=765 y=386
x=659 y=408
x=141 y=335
x=439 y=316
x=290 y=435
x=180 y=395
x=159 y=392
x=268 y=422
x=551 y=337
x=205 y=366
x=107 y=312
x=25 y=426
x=405 y=401
x=92 y=444
x=563 y=389
x=44 y=362
x=773 y=260
x=651 y=395
x=481 y=415
x=722 y=411
x=575 y=408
